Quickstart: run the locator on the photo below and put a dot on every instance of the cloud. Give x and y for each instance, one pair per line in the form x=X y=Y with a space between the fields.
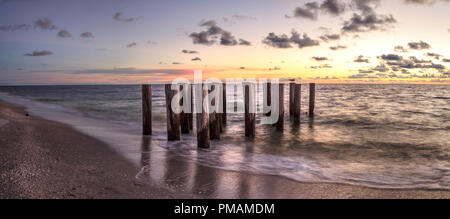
x=334 y=7
x=283 y=41
x=446 y=60
x=87 y=35
x=337 y=47
x=238 y=17
x=244 y=42
x=119 y=17
x=64 y=34
x=133 y=44
x=196 y=59
x=151 y=42
x=40 y=53
x=308 y=11
x=391 y=57
x=400 y=49
x=368 y=22
x=321 y=66
x=311 y=10
x=189 y=51
x=328 y=37
x=419 y=45
x=176 y=63
x=214 y=34
x=45 y=24
x=15 y=27
x=433 y=55
x=423 y=2
x=361 y=59
x=319 y=59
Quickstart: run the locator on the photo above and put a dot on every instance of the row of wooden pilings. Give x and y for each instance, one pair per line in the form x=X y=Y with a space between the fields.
x=210 y=125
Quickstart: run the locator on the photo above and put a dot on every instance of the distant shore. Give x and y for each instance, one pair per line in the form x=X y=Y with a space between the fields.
x=46 y=159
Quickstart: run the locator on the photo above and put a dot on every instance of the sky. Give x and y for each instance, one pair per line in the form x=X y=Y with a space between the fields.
x=152 y=41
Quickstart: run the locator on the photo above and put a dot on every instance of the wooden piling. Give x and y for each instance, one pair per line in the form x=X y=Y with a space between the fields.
x=312 y=98
x=184 y=117
x=297 y=103
x=191 y=114
x=202 y=121
x=280 y=123
x=224 y=104
x=173 y=119
x=269 y=98
x=291 y=98
x=146 y=109
x=250 y=114
x=214 y=125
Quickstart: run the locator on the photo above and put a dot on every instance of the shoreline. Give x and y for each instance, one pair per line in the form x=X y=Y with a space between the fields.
x=46 y=159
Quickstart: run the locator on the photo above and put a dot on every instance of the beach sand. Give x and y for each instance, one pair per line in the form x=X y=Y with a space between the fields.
x=46 y=159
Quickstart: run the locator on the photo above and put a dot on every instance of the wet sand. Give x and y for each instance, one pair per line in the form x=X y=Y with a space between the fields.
x=45 y=159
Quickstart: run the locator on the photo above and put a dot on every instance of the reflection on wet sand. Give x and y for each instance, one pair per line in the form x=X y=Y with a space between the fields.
x=179 y=174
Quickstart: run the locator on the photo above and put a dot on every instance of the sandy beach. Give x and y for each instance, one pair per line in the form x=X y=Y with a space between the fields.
x=45 y=159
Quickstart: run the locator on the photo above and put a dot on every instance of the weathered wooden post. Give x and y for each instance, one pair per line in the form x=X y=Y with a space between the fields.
x=214 y=125
x=146 y=109
x=250 y=111
x=268 y=95
x=224 y=105
x=202 y=118
x=191 y=114
x=291 y=98
x=184 y=117
x=280 y=123
x=312 y=98
x=173 y=119
x=297 y=103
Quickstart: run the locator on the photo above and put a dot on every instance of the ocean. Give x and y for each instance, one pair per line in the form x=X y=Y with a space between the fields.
x=379 y=136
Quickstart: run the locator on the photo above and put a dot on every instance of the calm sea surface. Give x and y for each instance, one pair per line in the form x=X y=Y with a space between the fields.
x=384 y=136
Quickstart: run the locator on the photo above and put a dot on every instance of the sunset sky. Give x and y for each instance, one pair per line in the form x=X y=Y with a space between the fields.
x=138 y=41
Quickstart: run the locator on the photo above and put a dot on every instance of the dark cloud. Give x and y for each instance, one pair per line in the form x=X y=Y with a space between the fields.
x=45 y=24
x=446 y=60
x=319 y=59
x=238 y=17
x=87 y=35
x=196 y=59
x=337 y=47
x=133 y=44
x=328 y=37
x=400 y=49
x=419 y=45
x=334 y=7
x=361 y=59
x=368 y=22
x=433 y=55
x=176 y=63
x=303 y=40
x=119 y=17
x=189 y=51
x=214 y=32
x=282 y=41
x=40 y=53
x=15 y=27
x=64 y=34
x=151 y=42
x=365 y=6
x=244 y=42
x=391 y=57
x=308 y=11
